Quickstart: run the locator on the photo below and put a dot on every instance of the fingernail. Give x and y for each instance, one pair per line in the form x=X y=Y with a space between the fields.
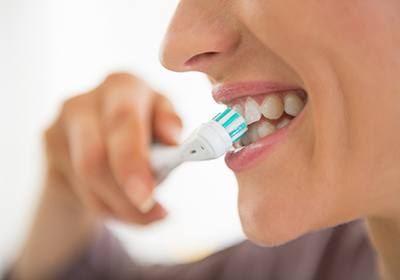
x=147 y=205
x=139 y=194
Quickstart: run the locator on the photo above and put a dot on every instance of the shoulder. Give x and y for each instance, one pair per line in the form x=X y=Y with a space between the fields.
x=335 y=253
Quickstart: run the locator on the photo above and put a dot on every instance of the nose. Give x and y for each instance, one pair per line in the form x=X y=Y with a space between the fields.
x=199 y=37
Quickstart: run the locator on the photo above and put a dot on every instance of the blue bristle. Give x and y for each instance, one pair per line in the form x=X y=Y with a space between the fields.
x=231 y=120
x=223 y=114
x=238 y=132
x=227 y=118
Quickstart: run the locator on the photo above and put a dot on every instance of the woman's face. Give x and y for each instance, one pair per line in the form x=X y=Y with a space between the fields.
x=339 y=158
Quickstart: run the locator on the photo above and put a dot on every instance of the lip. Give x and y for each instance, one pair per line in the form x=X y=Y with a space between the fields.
x=226 y=92
x=253 y=153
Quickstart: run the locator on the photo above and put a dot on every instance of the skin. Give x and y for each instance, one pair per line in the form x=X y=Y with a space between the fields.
x=344 y=153
x=97 y=169
x=335 y=146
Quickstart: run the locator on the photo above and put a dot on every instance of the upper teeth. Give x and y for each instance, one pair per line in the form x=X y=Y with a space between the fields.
x=273 y=107
x=238 y=109
x=251 y=112
x=293 y=104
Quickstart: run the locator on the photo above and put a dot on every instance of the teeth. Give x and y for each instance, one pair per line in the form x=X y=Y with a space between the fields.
x=293 y=104
x=251 y=112
x=265 y=128
x=272 y=107
x=238 y=109
x=245 y=140
x=283 y=123
x=237 y=145
x=255 y=132
x=252 y=134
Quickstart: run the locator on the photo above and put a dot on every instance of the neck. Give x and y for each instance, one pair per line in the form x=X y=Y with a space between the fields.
x=385 y=234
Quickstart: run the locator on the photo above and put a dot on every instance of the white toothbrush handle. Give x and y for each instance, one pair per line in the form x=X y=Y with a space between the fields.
x=164 y=159
x=209 y=141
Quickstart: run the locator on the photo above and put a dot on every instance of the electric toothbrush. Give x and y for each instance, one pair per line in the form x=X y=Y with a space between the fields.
x=210 y=141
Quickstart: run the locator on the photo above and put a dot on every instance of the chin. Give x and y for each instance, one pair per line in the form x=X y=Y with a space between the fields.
x=272 y=217
x=268 y=231
x=283 y=211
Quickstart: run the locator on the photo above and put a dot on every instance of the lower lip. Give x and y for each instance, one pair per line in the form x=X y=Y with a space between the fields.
x=251 y=154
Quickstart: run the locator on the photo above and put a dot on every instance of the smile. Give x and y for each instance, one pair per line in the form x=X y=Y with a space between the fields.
x=270 y=110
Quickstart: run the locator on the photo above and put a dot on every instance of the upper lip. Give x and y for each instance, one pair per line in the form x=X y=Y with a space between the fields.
x=226 y=92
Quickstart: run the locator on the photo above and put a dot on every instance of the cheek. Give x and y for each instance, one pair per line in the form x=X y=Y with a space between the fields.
x=322 y=176
x=293 y=191
x=284 y=26
x=277 y=196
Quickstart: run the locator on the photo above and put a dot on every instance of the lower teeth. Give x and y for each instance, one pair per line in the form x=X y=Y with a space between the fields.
x=283 y=123
x=259 y=130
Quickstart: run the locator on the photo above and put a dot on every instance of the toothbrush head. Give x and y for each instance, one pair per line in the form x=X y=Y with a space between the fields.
x=216 y=137
x=233 y=123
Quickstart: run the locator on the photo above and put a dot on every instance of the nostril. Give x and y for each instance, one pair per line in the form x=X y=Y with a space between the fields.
x=200 y=57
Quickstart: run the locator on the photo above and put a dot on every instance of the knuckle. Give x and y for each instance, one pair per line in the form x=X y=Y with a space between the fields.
x=119 y=78
x=119 y=116
x=126 y=85
x=69 y=104
x=48 y=135
x=54 y=142
x=91 y=162
x=73 y=104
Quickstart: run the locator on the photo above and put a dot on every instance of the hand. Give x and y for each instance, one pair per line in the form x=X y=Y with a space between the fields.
x=99 y=147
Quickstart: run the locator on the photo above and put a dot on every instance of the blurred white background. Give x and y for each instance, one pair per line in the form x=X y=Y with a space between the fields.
x=52 y=49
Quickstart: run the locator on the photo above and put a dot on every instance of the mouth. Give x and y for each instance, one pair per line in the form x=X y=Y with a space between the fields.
x=271 y=110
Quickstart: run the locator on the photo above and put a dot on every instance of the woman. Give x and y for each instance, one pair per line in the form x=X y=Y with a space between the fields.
x=336 y=160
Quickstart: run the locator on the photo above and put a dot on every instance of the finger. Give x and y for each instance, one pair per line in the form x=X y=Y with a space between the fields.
x=89 y=161
x=90 y=199
x=167 y=125
x=156 y=213
x=105 y=187
x=122 y=209
x=126 y=117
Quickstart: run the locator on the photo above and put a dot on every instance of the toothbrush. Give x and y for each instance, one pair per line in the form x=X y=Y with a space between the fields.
x=209 y=141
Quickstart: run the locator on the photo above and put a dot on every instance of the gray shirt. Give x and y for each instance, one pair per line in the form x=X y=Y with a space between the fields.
x=340 y=253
